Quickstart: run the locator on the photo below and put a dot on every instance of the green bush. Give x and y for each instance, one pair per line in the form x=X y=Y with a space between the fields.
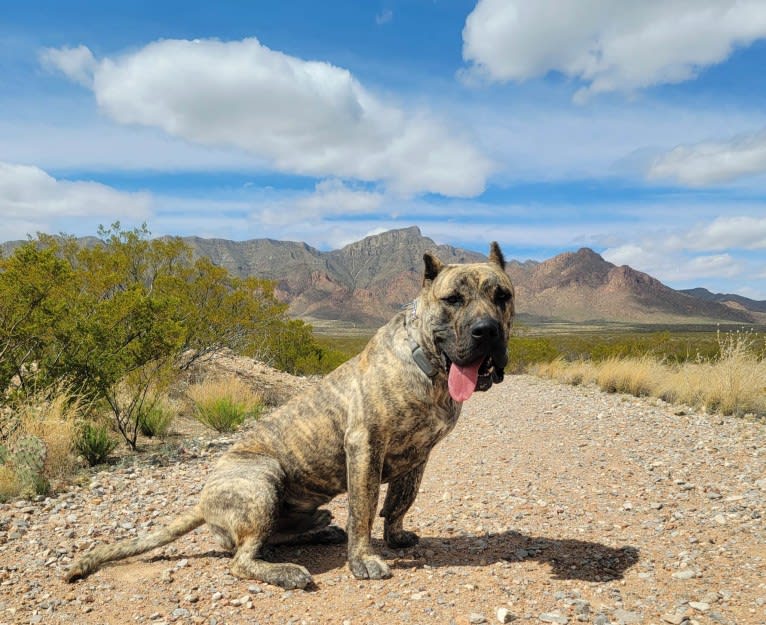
x=524 y=351
x=94 y=443
x=222 y=415
x=223 y=405
x=116 y=318
x=155 y=420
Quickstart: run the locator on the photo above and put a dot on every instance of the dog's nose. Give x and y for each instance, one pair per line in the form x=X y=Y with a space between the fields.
x=485 y=330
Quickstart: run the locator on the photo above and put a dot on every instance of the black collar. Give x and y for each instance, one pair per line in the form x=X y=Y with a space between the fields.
x=418 y=355
x=421 y=360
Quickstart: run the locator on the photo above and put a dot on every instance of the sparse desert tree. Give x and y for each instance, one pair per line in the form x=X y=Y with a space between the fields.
x=117 y=315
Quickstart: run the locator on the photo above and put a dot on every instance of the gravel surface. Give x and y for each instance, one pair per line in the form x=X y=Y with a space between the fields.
x=547 y=504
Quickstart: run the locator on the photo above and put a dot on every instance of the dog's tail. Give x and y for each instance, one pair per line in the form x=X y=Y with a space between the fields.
x=107 y=553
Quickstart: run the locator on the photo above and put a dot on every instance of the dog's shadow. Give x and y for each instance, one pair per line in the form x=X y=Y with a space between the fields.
x=569 y=559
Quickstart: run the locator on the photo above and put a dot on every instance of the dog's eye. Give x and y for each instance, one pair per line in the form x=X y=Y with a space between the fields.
x=454 y=299
x=502 y=297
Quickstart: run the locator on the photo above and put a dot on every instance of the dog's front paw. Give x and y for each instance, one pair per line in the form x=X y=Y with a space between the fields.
x=369 y=567
x=401 y=539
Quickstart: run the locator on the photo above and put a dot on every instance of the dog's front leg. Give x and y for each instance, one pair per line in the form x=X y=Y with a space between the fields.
x=401 y=494
x=364 y=464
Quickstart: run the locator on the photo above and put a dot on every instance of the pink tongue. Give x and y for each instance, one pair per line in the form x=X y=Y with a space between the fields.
x=462 y=380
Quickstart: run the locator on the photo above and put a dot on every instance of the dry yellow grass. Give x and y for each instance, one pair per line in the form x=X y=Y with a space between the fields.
x=733 y=383
x=223 y=404
x=50 y=415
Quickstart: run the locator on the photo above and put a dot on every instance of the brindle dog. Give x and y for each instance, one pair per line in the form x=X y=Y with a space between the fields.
x=373 y=420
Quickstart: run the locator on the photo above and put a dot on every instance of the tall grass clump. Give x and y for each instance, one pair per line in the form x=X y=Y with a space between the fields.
x=156 y=419
x=736 y=381
x=38 y=441
x=223 y=405
x=732 y=381
x=95 y=442
x=633 y=376
x=574 y=373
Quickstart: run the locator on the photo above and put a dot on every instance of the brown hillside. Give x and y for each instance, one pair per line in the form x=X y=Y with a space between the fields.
x=367 y=281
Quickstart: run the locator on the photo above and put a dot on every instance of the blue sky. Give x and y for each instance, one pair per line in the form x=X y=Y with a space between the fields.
x=637 y=129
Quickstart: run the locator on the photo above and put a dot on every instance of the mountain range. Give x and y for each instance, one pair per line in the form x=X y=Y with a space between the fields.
x=367 y=281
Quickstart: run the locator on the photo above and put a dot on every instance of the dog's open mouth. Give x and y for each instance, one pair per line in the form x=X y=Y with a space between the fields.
x=477 y=376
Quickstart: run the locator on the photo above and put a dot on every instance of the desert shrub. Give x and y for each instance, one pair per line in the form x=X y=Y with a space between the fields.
x=94 y=442
x=736 y=380
x=223 y=405
x=524 y=351
x=37 y=451
x=730 y=381
x=115 y=317
x=574 y=373
x=26 y=462
x=633 y=376
x=10 y=488
x=156 y=419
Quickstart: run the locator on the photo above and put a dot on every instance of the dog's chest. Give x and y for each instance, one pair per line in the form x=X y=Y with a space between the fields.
x=413 y=437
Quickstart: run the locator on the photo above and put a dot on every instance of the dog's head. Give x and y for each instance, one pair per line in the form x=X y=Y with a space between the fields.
x=468 y=311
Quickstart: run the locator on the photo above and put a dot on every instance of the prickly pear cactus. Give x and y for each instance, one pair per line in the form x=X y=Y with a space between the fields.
x=28 y=459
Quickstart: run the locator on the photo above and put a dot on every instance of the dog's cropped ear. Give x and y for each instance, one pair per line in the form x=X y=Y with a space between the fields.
x=496 y=255
x=433 y=267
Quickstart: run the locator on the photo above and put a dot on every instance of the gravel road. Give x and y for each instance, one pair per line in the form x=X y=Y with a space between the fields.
x=547 y=504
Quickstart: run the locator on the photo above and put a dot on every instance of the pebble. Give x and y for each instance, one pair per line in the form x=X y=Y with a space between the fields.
x=624 y=617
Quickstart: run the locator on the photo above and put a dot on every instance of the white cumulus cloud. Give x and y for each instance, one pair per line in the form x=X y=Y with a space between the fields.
x=711 y=249
x=77 y=63
x=330 y=199
x=740 y=232
x=31 y=199
x=610 y=45
x=713 y=162
x=302 y=117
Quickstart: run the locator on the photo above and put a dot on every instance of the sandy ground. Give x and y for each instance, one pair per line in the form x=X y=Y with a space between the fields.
x=547 y=504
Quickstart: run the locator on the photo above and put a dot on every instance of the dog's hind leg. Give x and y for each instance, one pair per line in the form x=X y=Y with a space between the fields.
x=307 y=527
x=241 y=500
x=248 y=564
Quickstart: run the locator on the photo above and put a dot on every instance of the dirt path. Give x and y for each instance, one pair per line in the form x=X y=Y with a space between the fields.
x=553 y=503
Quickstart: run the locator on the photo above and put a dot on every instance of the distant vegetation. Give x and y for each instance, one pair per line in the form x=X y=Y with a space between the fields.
x=90 y=331
x=729 y=380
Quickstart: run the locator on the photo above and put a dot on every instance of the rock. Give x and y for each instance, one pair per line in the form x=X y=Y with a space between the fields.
x=684 y=574
x=504 y=615
x=476 y=618
x=700 y=606
x=674 y=619
x=624 y=617
x=553 y=617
